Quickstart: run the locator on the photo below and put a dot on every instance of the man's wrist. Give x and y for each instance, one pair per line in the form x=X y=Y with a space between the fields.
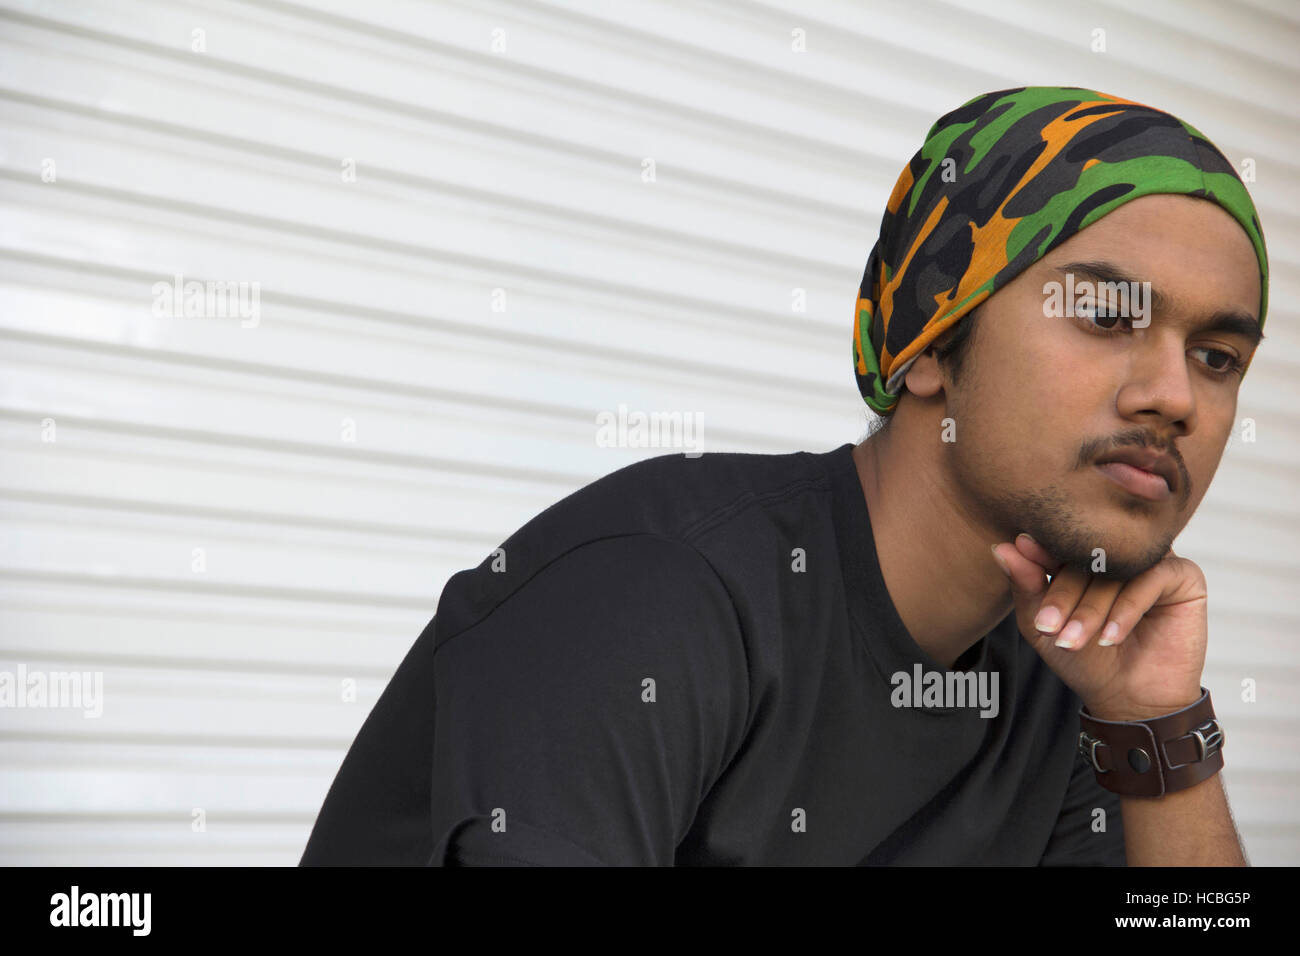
x=1152 y=755
x=1126 y=712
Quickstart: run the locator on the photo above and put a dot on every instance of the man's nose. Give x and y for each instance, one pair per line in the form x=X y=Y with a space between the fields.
x=1159 y=381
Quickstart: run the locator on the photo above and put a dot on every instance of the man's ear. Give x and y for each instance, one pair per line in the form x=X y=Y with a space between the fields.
x=925 y=378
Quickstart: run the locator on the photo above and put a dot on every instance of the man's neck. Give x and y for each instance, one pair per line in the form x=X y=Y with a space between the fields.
x=935 y=560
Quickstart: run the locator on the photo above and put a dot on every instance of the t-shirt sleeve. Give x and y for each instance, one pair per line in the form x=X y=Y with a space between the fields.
x=1076 y=839
x=376 y=812
x=582 y=721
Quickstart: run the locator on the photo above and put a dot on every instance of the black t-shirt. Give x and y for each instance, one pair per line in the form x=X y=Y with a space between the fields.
x=693 y=661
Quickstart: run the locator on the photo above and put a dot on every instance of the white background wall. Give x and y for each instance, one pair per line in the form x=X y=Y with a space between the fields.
x=480 y=169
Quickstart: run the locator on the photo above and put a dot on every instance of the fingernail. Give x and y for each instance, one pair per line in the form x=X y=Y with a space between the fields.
x=1026 y=537
x=1001 y=563
x=1109 y=634
x=1048 y=620
x=1068 y=636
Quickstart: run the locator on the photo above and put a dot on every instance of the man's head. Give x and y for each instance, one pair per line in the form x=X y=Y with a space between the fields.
x=1051 y=384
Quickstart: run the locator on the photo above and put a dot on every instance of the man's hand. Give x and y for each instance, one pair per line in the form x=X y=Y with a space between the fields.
x=1139 y=647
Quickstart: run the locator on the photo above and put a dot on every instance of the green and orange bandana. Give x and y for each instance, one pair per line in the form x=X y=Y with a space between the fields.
x=998 y=184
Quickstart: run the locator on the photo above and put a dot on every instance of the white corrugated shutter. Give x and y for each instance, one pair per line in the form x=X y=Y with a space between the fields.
x=229 y=518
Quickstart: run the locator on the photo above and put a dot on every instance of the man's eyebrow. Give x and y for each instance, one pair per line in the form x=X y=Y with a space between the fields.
x=1229 y=321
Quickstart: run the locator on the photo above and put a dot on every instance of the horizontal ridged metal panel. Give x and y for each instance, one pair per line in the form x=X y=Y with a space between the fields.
x=382 y=424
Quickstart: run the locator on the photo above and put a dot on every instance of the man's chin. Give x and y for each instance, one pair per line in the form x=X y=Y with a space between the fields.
x=1110 y=545
x=1116 y=564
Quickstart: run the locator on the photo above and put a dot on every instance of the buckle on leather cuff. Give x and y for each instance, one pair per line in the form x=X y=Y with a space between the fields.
x=1209 y=738
x=1088 y=747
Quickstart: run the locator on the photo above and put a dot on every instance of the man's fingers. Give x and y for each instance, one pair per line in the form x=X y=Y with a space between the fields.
x=1043 y=608
x=1036 y=553
x=1074 y=607
x=1087 y=618
x=1139 y=595
x=1027 y=577
x=1028 y=585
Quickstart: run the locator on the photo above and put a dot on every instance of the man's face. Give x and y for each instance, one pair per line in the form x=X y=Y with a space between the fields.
x=1043 y=394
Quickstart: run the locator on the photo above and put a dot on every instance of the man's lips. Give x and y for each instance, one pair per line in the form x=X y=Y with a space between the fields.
x=1146 y=460
x=1137 y=481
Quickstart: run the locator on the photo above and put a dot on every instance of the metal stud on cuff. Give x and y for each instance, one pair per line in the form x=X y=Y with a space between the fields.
x=1088 y=747
x=1209 y=738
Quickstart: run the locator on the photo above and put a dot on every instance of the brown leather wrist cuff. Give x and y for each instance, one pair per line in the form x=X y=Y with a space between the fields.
x=1149 y=758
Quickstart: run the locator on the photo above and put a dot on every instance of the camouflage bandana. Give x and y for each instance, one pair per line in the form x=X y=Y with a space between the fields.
x=998 y=184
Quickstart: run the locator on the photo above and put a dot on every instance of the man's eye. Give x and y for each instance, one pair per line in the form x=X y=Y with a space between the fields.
x=1104 y=316
x=1229 y=364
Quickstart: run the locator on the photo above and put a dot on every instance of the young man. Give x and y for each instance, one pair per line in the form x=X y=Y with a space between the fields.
x=814 y=658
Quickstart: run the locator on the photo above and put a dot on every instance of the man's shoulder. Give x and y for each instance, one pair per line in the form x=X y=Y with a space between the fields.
x=651 y=504
x=674 y=494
